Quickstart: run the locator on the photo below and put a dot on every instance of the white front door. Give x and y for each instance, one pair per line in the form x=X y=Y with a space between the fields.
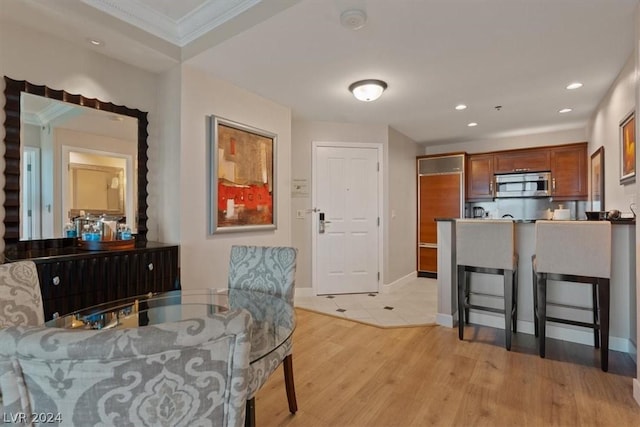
x=346 y=226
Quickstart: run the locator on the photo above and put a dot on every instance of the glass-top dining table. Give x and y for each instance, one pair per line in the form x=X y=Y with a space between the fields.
x=273 y=316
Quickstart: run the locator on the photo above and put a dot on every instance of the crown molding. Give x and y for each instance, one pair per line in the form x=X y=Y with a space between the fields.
x=199 y=21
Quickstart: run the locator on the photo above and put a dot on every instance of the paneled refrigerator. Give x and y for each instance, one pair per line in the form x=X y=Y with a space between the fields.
x=440 y=195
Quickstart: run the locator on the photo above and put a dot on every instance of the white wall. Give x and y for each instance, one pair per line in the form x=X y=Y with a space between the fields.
x=636 y=53
x=401 y=215
x=604 y=130
x=398 y=193
x=204 y=259
x=303 y=134
x=510 y=143
x=44 y=60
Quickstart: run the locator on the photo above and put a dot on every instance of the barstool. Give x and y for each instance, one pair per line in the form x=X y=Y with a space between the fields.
x=573 y=251
x=487 y=246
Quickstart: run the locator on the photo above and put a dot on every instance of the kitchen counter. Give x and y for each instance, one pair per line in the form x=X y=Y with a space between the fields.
x=623 y=289
x=623 y=221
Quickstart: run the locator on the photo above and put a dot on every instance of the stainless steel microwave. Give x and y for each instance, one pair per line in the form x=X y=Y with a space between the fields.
x=523 y=185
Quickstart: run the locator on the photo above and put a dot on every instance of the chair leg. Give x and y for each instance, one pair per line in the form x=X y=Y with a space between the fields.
x=508 y=306
x=603 y=294
x=250 y=413
x=461 y=303
x=542 y=311
x=287 y=365
x=596 y=332
x=467 y=297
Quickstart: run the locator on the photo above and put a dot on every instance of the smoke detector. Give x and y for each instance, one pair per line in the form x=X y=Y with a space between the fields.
x=353 y=19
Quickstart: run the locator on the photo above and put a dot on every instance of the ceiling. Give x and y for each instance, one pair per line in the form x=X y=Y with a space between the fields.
x=434 y=54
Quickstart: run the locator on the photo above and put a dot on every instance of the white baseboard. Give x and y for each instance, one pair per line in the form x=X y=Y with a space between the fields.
x=444 y=320
x=636 y=390
x=308 y=291
x=553 y=331
x=305 y=292
x=401 y=281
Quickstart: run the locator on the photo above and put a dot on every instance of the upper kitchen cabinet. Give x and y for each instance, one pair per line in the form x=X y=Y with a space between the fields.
x=528 y=160
x=479 y=177
x=569 y=176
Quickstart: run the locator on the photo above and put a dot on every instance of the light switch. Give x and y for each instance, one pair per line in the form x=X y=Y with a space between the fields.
x=300 y=214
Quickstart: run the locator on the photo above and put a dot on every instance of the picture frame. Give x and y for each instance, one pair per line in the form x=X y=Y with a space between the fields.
x=242 y=188
x=628 y=149
x=596 y=192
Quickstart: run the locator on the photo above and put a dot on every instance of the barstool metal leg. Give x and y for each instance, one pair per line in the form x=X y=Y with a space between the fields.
x=508 y=306
x=461 y=300
x=515 y=301
x=542 y=311
x=603 y=294
x=596 y=332
x=535 y=297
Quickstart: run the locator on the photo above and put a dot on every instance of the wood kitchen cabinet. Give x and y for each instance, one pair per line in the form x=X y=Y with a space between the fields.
x=72 y=279
x=479 y=177
x=528 y=160
x=569 y=174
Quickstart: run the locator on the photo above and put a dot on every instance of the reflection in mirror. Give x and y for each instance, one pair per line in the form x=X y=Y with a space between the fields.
x=74 y=159
x=33 y=173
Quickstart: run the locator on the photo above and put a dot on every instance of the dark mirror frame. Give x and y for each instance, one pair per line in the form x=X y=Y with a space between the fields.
x=12 y=123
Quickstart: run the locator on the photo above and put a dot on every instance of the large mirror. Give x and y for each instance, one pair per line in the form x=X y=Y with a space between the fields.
x=68 y=155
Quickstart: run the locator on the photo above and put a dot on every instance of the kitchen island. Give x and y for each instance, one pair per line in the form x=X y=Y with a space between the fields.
x=623 y=290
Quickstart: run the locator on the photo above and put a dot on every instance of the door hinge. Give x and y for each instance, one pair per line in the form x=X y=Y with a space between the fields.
x=378 y=166
x=378 y=276
x=378 y=221
x=29 y=167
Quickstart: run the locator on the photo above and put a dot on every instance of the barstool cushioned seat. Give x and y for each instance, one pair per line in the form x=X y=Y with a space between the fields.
x=574 y=251
x=487 y=246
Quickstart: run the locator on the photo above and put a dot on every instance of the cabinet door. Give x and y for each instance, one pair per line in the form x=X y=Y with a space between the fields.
x=569 y=172
x=428 y=260
x=479 y=178
x=535 y=160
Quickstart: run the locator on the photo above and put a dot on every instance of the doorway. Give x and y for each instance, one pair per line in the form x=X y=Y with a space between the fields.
x=346 y=226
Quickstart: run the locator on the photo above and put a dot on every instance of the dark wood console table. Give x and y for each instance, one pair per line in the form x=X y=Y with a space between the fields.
x=72 y=278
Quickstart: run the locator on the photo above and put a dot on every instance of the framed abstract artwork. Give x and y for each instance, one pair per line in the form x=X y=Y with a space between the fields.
x=241 y=177
x=628 y=149
x=597 y=180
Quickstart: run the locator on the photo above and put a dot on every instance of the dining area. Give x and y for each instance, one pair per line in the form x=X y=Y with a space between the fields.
x=180 y=357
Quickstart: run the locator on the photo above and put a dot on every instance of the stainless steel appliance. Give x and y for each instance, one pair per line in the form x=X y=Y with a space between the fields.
x=523 y=185
x=440 y=195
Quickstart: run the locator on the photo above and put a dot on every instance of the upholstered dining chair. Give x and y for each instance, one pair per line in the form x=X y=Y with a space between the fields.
x=20 y=296
x=270 y=270
x=191 y=372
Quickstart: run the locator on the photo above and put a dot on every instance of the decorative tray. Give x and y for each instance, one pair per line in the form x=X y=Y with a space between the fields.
x=106 y=245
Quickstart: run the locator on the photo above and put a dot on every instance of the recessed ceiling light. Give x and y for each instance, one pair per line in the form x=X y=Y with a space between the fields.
x=461 y=107
x=95 y=42
x=472 y=124
x=565 y=110
x=575 y=85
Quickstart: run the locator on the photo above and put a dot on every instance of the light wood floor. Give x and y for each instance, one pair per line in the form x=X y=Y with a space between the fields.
x=351 y=374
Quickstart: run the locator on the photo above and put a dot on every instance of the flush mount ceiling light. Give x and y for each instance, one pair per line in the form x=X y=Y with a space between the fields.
x=472 y=124
x=575 y=85
x=565 y=110
x=367 y=90
x=461 y=107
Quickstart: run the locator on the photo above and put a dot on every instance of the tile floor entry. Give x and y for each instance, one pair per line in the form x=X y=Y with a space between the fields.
x=413 y=303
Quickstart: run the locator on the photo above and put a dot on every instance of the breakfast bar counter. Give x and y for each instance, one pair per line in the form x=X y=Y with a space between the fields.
x=623 y=290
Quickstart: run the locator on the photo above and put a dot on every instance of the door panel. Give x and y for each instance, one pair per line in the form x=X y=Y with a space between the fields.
x=346 y=189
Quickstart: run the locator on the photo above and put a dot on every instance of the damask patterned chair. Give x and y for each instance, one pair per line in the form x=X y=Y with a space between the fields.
x=20 y=297
x=192 y=372
x=270 y=270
